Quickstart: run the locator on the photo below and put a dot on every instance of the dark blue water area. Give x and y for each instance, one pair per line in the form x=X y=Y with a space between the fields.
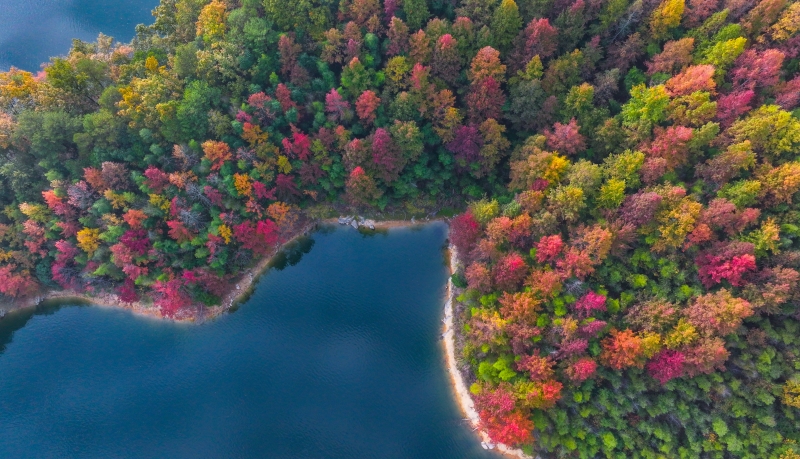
x=31 y=31
x=337 y=354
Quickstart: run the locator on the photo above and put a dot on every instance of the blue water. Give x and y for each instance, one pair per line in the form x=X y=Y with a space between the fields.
x=31 y=31
x=337 y=354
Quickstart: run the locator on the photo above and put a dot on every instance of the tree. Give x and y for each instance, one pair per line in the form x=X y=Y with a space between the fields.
x=566 y=138
x=211 y=22
x=361 y=188
x=718 y=313
x=548 y=248
x=336 y=106
x=417 y=13
x=754 y=70
x=589 y=303
x=581 y=370
x=675 y=56
x=398 y=37
x=366 y=105
x=217 y=153
x=506 y=23
x=386 y=156
x=665 y=17
x=666 y=365
x=485 y=100
x=464 y=233
x=672 y=144
x=646 y=108
x=16 y=285
x=509 y=272
x=446 y=61
x=486 y=64
x=88 y=240
x=771 y=131
x=623 y=349
x=692 y=79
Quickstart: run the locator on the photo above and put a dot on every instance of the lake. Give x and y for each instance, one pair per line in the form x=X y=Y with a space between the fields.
x=337 y=354
x=31 y=31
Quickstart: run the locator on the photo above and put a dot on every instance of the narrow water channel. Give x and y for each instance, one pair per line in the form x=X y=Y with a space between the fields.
x=337 y=354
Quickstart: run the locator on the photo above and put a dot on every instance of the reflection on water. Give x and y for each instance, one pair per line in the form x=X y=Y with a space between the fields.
x=337 y=354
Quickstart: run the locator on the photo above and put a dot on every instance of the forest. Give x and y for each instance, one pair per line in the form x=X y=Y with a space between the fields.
x=627 y=172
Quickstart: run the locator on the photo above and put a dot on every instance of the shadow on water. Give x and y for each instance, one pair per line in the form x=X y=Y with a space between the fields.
x=16 y=320
x=289 y=255
x=292 y=253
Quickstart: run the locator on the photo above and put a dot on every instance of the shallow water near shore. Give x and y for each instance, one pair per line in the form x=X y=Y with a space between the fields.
x=337 y=354
x=33 y=30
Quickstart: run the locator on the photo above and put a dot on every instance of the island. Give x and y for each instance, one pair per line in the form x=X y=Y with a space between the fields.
x=620 y=178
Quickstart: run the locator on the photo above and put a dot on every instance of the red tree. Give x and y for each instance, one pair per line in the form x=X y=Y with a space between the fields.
x=509 y=272
x=16 y=285
x=581 y=370
x=386 y=155
x=464 y=233
x=757 y=69
x=366 y=105
x=548 y=248
x=729 y=261
x=731 y=106
x=172 y=298
x=666 y=365
x=589 y=303
x=157 y=180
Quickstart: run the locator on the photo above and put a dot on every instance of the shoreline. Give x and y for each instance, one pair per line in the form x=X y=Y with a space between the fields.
x=460 y=389
x=239 y=289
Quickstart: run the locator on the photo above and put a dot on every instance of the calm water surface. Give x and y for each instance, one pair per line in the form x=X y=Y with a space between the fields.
x=33 y=30
x=336 y=355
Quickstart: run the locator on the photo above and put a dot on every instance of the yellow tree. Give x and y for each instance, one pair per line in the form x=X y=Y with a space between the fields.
x=211 y=22
x=89 y=240
x=17 y=88
x=666 y=16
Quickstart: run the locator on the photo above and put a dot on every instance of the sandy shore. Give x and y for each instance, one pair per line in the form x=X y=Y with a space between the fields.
x=460 y=388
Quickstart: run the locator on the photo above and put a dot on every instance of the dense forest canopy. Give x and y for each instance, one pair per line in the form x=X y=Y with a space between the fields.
x=631 y=250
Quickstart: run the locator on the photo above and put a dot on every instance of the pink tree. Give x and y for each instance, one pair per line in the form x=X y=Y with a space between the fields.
x=566 y=138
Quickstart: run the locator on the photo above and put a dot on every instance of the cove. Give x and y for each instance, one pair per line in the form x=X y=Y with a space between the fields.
x=33 y=30
x=337 y=354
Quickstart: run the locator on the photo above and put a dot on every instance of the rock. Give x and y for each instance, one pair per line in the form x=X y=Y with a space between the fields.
x=412 y=220
x=342 y=221
x=369 y=224
x=354 y=224
x=484 y=445
x=361 y=220
x=490 y=445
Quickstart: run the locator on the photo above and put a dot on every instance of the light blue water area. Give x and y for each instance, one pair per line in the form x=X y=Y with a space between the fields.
x=31 y=31
x=336 y=355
